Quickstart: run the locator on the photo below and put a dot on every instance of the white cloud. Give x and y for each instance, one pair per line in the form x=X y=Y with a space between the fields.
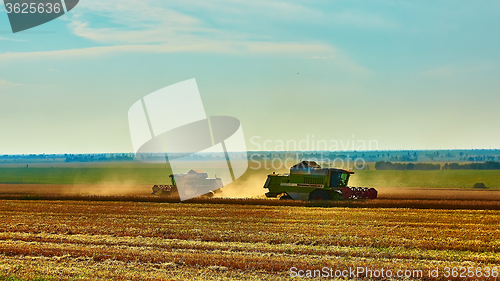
x=12 y=39
x=135 y=26
x=5 y=83
x=191 y=45
x=133 y=22
x=150 y=21
x=150 y=26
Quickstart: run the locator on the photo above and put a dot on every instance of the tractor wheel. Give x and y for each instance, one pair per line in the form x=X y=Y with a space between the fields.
x=286 y=197
x=319 y=195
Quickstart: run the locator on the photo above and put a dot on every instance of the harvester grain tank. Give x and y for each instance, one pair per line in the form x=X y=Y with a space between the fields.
x=308 y=181
x=195 y=179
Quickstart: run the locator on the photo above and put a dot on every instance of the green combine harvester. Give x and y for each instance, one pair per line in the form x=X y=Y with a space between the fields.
x=193 y=179
x=308 y=181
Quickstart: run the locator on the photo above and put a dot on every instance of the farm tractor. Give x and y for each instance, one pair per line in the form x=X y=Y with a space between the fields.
x=192 y=179
x=308 y=181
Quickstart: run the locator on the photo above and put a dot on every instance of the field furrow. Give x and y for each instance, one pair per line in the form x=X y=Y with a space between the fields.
x=236 y=241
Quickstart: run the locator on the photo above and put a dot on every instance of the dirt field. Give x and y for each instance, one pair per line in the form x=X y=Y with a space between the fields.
x=145 y=189
x=439 y=193
x=143 y=241
x=76 y=189
x=415 y=229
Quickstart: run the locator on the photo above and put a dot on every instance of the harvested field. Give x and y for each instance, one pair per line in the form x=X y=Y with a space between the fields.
x=395 y=197
x=145 y=189
x=439 y=193
x=129 y=240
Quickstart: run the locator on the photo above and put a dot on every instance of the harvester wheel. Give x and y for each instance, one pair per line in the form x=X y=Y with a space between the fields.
x=319 y=195
x=209 y=194
x=286 y=197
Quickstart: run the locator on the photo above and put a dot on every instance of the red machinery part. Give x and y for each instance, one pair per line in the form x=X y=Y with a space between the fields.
x=347 y=192
x=351 y=192
x=372 y=193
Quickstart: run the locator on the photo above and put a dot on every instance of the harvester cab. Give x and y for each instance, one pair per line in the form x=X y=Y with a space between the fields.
x=308 y=181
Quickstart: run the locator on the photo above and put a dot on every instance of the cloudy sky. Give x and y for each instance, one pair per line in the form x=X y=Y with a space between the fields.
x=408 y=74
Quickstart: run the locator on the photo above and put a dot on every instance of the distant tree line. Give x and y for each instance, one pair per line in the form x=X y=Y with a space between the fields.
x=98 y=158
x=382 y=165
x=489 y=165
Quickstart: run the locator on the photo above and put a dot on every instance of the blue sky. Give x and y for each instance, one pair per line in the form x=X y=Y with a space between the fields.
x=408 y=74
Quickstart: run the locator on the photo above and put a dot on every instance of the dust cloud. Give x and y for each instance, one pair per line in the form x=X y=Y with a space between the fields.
x=250 y=187
x=126 y=189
